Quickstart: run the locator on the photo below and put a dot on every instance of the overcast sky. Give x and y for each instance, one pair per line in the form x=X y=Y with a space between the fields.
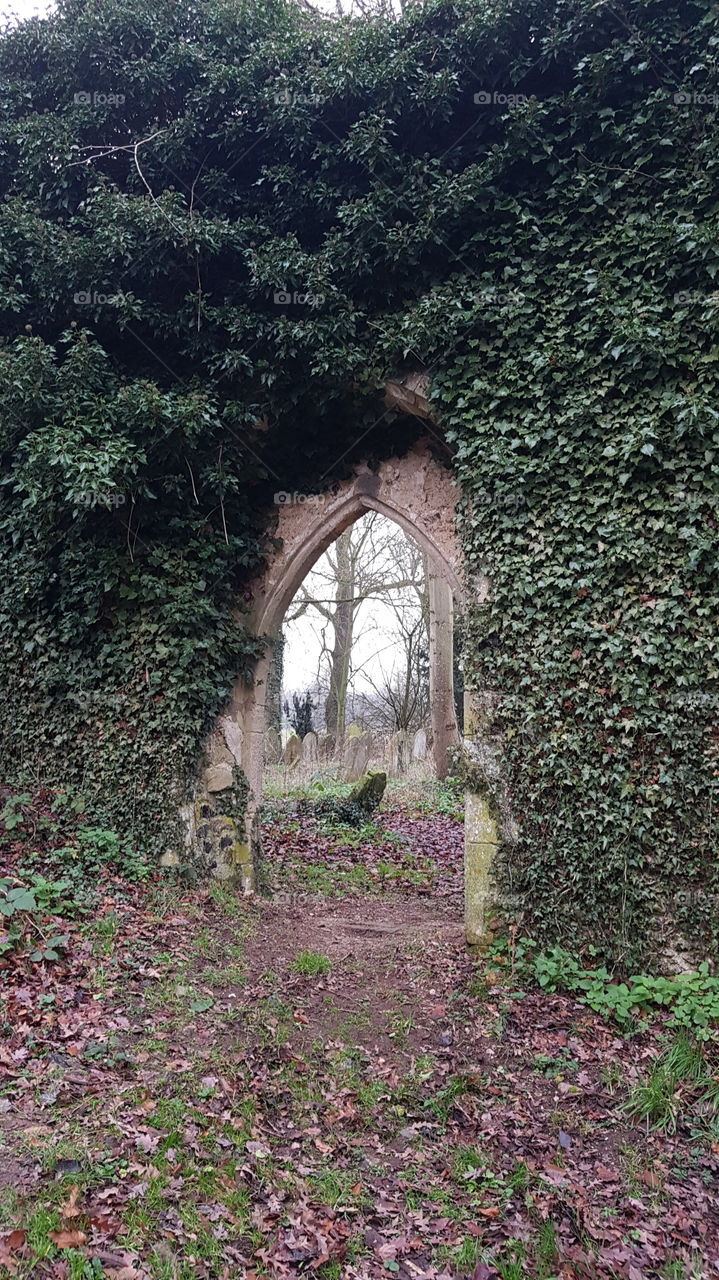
x=26 y=8
x=375 y=650
x=23 y=8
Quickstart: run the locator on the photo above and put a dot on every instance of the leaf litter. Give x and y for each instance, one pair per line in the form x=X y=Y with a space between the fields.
x=185 y=1103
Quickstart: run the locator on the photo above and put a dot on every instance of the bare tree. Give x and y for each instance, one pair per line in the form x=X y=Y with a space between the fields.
x=399 y=698
x=398 y=673
x=373 y=560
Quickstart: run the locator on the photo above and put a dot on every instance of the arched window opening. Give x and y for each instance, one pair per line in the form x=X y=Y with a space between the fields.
x=349 y=742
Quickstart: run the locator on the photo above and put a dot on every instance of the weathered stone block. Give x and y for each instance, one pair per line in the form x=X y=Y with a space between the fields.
x=480 y=846
x=218 y=777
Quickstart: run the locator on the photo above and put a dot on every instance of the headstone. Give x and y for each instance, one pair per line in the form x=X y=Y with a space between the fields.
x=326 y=747
x=419 y=746
x=400 y=752
x=352 y=731
x=310 y=750
x=356 y=757
x=293 y=750
x=368 y=792
x=382 y=752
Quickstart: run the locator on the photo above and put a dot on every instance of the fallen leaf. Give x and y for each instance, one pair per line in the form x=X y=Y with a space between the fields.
x=15 y=1240
x=35 y=1133
x=67 y=1239
x=257 y=1149
x=69 y=1209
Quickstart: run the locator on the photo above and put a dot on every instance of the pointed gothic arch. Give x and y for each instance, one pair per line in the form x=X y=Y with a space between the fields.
x=419 y=494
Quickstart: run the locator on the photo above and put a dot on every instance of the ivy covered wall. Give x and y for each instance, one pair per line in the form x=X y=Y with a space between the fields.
x=221 y=228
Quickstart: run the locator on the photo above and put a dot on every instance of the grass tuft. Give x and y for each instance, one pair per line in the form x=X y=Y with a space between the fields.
x=311 y=964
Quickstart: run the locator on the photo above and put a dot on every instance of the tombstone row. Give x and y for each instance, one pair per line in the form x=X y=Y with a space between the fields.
x=395 y=753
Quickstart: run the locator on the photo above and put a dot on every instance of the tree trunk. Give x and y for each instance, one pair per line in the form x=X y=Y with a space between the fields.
x=343 y=625
x=444 y=720
x=274 y=684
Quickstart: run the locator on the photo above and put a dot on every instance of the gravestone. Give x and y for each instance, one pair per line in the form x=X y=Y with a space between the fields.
x=326 y=747
x=310 y=751
x=419 y=746
x=400 y=753
x=368 y=792
x=381 y=751
x=293 y=750
x=356 y=757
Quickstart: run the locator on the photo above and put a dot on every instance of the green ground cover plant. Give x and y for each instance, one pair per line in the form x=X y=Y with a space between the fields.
x=689 y=1000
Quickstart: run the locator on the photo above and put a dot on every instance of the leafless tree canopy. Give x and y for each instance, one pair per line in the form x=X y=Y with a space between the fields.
x=373 y=562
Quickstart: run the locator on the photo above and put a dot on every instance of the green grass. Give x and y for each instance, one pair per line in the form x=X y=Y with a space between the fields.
x=330 y=882
x=335 y=1189
x=467 y=1164
x=467 y=1255
x=399 y=1027
x=311 y=964
x=680 y=1080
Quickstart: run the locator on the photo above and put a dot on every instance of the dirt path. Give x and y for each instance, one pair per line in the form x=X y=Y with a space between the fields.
x=327 y=1085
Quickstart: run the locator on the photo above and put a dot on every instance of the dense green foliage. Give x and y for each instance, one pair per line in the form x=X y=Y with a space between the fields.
x=690 y=1000
x=55 y=867
x=550 y=260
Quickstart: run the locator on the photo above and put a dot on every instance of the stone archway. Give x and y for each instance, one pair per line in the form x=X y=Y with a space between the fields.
x=419 y=494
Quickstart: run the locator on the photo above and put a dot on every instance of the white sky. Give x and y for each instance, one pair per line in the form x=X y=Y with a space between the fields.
x=376 y=652
x=23 y=8
x=27 y=8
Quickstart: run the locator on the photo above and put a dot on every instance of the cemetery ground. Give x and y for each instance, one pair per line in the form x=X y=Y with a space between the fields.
x=324 y=1082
